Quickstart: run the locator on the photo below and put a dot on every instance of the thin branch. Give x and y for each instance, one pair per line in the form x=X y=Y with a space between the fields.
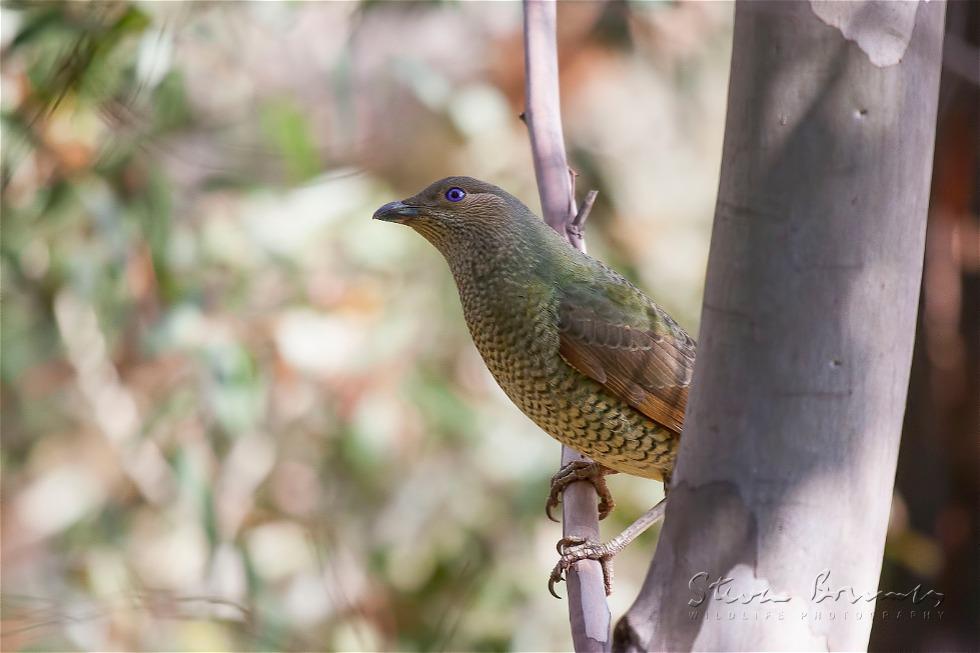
x=587 y=608
x=578 y=224
x=542 y=114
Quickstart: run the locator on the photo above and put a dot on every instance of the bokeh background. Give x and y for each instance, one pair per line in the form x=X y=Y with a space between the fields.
x=237 y=414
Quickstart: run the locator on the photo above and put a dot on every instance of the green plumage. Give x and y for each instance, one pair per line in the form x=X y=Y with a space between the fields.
x=581 y=351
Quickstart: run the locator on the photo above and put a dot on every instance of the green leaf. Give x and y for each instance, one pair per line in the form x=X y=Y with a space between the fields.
x=288 y=130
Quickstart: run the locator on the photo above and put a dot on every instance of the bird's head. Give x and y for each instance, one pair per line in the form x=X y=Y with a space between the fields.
x=458 y=210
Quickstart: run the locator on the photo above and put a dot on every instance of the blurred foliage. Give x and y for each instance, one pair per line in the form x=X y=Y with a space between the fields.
x=239 y=415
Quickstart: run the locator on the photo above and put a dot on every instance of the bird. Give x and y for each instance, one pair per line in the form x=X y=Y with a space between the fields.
x=580 y=350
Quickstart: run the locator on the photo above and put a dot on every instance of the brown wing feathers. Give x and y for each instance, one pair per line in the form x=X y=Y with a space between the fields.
x=650 y=367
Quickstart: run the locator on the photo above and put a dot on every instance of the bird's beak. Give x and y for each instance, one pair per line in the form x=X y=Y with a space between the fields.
x=395 y=212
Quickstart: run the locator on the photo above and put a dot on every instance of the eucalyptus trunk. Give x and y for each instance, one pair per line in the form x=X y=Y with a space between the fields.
x=787 y=460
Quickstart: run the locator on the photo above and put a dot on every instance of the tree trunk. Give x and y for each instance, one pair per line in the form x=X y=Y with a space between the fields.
x=788 y=454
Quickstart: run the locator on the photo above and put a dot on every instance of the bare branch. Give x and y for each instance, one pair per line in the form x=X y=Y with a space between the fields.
x=542 y=114
x=587 y=608
x=584 y=210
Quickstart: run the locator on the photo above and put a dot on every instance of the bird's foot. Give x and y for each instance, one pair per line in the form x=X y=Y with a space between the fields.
x=575 y=549
x=580 y=470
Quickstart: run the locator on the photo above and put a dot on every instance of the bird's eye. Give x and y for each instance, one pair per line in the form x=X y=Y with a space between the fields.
x=455 y=194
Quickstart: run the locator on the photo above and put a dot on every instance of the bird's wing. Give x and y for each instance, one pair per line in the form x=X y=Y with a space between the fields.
x=616 y=335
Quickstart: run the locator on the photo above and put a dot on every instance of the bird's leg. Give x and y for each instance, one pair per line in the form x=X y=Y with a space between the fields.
x=579 y=470
x=573 y=549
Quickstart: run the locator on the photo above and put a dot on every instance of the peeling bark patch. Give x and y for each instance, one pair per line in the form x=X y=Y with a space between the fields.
x=881 y=29
x=722 y=515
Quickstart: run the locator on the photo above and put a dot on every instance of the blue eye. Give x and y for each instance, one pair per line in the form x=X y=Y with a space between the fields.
x=455 y=194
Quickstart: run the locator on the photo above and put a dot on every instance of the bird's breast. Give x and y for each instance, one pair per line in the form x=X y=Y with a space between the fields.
x=514 y=324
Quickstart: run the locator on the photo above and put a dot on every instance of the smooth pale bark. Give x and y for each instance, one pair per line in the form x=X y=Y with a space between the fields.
x=788 y=453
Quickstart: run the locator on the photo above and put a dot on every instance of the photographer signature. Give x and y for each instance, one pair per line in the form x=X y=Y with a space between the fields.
x=720 y=589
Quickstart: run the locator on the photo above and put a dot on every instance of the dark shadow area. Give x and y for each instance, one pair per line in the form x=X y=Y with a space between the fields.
x=933 y=538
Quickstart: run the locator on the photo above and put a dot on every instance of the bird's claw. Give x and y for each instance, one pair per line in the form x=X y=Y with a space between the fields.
x=575 y=549
x=579 y=470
